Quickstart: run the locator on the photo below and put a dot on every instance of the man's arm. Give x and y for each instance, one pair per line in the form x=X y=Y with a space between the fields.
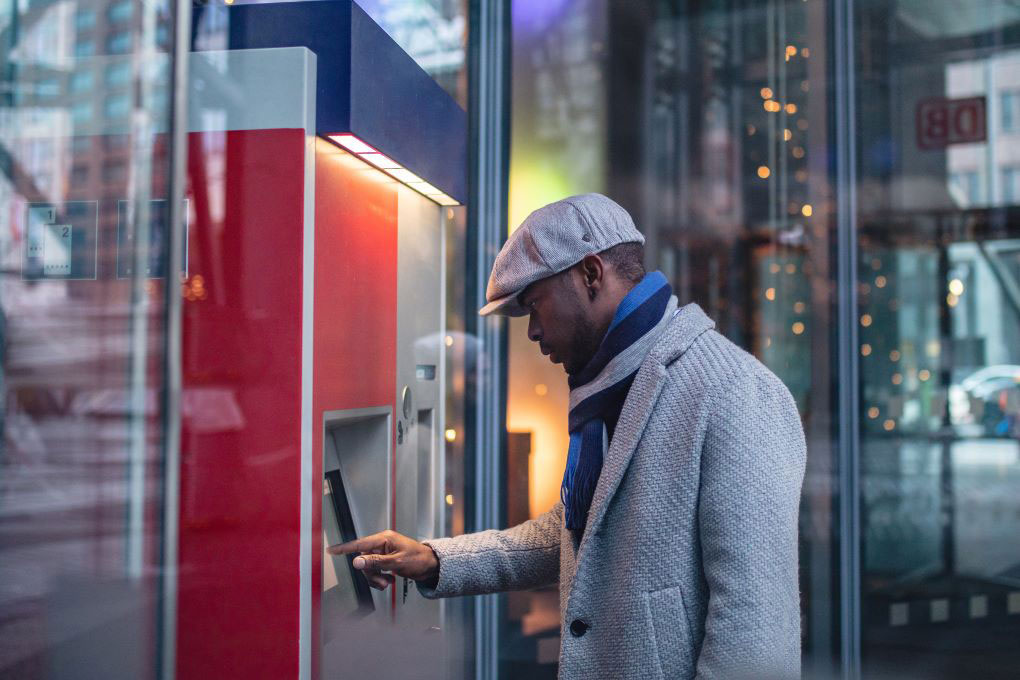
x=752 y=468
x=518 y=558
x=524 y=556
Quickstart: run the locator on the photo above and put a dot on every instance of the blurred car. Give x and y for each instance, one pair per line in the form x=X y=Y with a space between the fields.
x=987 y=403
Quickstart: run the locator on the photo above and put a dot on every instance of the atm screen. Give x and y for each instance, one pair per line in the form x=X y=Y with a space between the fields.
x=345 y=590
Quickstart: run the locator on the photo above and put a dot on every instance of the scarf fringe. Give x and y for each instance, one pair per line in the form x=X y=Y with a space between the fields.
x=581 y=479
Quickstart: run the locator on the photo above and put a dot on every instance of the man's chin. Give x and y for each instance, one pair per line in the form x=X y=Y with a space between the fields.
x=571 y=370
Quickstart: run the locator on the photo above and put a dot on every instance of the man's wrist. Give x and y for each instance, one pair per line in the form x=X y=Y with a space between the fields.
x=431 y=579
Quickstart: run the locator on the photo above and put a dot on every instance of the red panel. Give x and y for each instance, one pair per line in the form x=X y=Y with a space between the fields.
x=355 y=307
x=240 y=467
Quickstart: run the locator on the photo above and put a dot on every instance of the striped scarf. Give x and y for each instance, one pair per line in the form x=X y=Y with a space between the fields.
x=597 y=393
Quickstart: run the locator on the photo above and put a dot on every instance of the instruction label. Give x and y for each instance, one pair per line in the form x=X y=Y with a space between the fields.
x=61 y=240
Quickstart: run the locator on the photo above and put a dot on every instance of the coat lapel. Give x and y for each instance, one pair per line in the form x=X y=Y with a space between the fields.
x=644 y=392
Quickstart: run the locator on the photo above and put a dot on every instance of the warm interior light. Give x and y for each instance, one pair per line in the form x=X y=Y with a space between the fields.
x=391 y=168
x=352 y=143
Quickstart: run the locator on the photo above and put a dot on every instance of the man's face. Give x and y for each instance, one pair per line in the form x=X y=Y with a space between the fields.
x=560 y=320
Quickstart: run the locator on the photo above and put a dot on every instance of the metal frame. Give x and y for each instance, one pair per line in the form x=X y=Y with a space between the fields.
x=178 y=131
x=846 y=330
x=488 y=144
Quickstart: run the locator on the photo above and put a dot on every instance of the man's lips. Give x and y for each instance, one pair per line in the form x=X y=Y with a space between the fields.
x=547 y=351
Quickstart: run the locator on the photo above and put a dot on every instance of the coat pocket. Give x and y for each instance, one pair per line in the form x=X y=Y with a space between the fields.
x=668 y=619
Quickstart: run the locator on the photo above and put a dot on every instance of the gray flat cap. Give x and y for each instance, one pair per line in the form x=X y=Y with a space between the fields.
x=552 y=239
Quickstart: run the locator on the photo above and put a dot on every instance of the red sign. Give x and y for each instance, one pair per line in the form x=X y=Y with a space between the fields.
x=941 y=122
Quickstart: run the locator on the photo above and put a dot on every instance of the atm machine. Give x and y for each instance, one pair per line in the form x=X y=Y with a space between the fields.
x=323 y=167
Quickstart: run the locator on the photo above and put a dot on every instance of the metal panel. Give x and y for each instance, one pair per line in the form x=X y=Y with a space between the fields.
x=847 y=341
x=419 y=393
x=489 y=78
x=173 y=246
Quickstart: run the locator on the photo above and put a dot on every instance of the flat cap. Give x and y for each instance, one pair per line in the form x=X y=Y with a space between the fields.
x=552 y=239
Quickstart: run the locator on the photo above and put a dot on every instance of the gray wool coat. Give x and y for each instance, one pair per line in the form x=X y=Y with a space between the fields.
x=688 y=565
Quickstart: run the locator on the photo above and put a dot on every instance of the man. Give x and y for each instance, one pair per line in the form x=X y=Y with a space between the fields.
x=675 y=541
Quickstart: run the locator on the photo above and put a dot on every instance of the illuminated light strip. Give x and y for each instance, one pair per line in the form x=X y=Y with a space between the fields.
x=425 y=188
x=392 y=168
x=380 y=161
x=406 y=176
x=352 y=143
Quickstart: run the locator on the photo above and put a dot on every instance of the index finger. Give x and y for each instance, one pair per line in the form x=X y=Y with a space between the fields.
x=356 y=546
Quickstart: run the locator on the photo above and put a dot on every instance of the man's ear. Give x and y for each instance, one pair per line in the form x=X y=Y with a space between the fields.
x=592 y=273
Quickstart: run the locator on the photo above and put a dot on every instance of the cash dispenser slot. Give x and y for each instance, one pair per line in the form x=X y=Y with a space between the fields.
x=355 y=503
x=345 y=590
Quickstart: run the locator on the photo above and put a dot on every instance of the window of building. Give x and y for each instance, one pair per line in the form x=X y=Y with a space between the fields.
x=119 y=43
x=81 y=112
x=81 y=145
x=48 y=87
x=965 y=187
x=117 y=106
x=118 y=74
x=114 y=171
x=1011 y=184
x=119 y=11
x=115 y=142
x=85 y=19
x=84 y=48
x=79 y=175
x=81 y=81
x=1010 y=106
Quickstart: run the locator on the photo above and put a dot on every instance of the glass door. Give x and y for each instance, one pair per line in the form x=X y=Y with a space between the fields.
x=84 y=225
x=938 y=288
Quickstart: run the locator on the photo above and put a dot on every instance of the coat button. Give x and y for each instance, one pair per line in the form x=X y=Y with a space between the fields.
x=578 y=628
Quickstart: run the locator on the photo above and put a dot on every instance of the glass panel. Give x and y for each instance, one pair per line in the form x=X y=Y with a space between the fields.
x=558 y=148
x=82 y=234
x=939 y=295
x=710 y=123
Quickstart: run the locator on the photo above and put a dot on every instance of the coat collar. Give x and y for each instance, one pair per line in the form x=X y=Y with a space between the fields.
x=689 y=323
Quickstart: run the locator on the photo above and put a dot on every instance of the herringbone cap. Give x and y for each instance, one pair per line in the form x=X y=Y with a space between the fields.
x=551 y=240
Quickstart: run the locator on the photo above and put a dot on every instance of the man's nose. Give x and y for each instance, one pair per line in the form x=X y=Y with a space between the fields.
x=534 y=330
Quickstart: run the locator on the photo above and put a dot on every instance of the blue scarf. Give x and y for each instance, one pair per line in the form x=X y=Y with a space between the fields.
x=598 y=391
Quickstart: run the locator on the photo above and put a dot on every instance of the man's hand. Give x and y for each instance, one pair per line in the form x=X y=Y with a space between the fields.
x=391 y=552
